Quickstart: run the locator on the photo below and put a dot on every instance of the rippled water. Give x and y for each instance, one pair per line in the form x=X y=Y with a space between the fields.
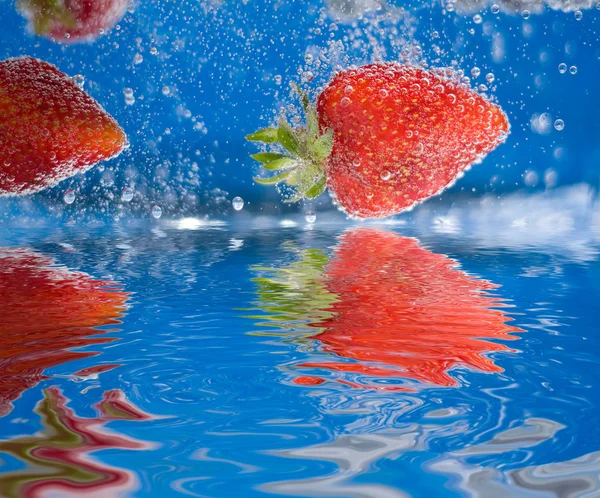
x=255 y=359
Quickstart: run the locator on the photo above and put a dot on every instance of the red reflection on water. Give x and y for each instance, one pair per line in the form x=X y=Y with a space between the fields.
x=59 y=457
x=46 y=310
x=405 y=312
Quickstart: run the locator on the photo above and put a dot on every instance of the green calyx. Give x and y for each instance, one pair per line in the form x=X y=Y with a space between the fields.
x=304 y=151
x=46 y=12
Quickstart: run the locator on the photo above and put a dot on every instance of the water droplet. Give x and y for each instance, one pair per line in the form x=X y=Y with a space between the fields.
x=475 y=72
x=559 y=124
x=69 y=197
x=562 y=68
x=79 y=80
x=156 y=212
x=345 y=102
x=489 y=77
x=495 y=9
x=531 y=178
x=127 y=194
x=573 y=69
x=578 y=15
x=237 y=203
x=385 y=175
x=138 y=59
x=477 y=19
x=310 y=217
x=525 y=14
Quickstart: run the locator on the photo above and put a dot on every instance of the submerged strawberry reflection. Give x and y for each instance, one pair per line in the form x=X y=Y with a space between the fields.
x=58 y=457
x=397 y=313
x=46 y=310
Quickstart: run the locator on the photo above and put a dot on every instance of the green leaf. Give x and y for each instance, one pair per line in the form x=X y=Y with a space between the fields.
x=272 y=180
x=303 y=96
x=267 y=135
x=267 y=157
x=312 y=123
x=288 y=139
x=323 y=145
x=317 y=189
x=282 y=163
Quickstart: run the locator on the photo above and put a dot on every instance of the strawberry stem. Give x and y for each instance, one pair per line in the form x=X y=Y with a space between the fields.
x=304 y=152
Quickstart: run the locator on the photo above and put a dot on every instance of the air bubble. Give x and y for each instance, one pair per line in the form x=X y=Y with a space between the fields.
x=166 y=90
x=310 y=217
x=69 y=197
x=237 y=203
x=79 y=80
x=127 y=194
x=482 y=88
x=495 y=9
x=385 y=175
x=475 y=72
x=156 y=212
x=477 y=19
x=154 y=51
x=138 y=59
x=559 y=124
x=345 y=102
x=489 y=77
x=562 y=68
x=525 y=14
x=278 y=79
x=578 y=15
x=573 y=69
x=450 y=7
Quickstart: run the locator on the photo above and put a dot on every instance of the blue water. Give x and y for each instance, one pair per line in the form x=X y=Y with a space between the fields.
x=214 y=395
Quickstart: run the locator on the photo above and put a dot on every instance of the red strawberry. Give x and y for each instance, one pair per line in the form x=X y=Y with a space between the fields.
x=384 y=137
x=47 y=311
x=60 y=455
x=50 y=129
x=385 y=308
x=69 y=21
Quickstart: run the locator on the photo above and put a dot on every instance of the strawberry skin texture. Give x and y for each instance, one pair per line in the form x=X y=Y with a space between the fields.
x=50 y=129
x=401 y=135
x=72 y=21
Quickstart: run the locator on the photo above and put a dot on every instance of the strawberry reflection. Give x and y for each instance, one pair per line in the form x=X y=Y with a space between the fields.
x=58 y=457
x=392 y=311
x=46 y=310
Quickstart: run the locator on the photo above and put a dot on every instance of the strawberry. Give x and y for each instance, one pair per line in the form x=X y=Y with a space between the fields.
x=47 y=311
x=50 y=129
x=60 y=454
x=69 y=21
x=382 y=138
x=386 y=308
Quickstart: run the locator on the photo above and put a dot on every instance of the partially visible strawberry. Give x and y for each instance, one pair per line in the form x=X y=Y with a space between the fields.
x=384 y=137
x=69 y=21
x=46 y=311
x=50 y=129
